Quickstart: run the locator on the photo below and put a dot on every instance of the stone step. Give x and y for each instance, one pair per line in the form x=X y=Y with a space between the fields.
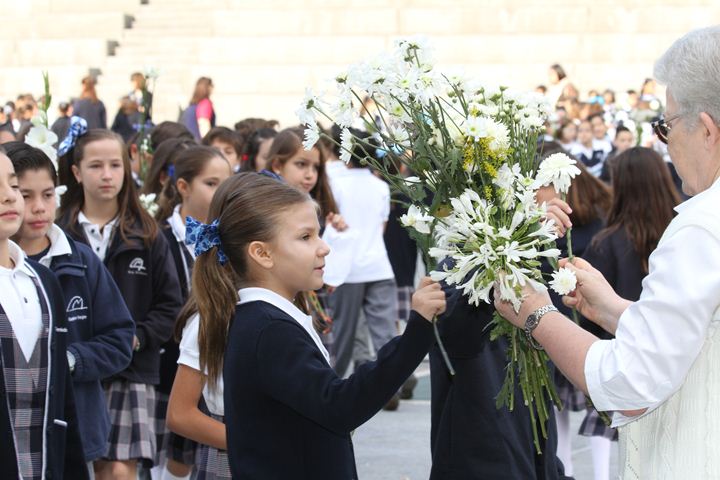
x=67 y=26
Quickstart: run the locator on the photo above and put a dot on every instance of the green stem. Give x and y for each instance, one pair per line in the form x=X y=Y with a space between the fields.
x=571 y=257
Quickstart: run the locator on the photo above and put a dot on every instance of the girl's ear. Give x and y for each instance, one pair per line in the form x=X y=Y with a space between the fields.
x=259 y=253
x=183 y=187
x=275 y=166
x=76 y=173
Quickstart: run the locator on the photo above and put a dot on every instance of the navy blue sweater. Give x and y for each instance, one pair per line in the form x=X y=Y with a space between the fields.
x=288 y=415
x=147 y=279
x=63 y=447
x=100 y=335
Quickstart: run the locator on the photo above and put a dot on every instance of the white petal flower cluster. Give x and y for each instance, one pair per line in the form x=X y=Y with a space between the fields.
x=489 y=247
x=418 y=219
x=311 y=136
x=43 y=138
x=563 y=281
x=346 y=145
x=559 y=170
x=148 y=203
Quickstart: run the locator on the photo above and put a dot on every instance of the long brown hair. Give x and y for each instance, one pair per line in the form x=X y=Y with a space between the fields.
x=644 y=197
x=162 y=158
x=88 y=89
x=202 y=90
x=286 y=145
x=247 y=207
x=188 y=165
x=130 y=211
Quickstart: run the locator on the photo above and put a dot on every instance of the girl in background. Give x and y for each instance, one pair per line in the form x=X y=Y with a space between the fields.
x=102 y=210
x=228 y=142
x=198 y=172
x=89 y=106
x=162 y=160
x=257 y=149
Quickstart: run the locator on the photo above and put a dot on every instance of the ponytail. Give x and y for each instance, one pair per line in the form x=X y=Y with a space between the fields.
x=245 y=208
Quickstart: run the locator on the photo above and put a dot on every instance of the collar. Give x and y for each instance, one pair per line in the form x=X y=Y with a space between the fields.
x=18 y=258
x=177 y=225
x=697 y=198
x=268 y=296
x=59 y=245
x=84 y=221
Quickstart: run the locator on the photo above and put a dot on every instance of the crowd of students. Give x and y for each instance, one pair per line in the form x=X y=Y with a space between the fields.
x=131 y=316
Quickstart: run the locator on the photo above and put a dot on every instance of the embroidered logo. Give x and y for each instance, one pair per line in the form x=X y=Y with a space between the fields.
x=76 y=303
x=137 y=267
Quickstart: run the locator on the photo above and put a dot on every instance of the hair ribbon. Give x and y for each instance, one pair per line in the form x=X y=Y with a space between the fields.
x=78 y=128
x=204 y=237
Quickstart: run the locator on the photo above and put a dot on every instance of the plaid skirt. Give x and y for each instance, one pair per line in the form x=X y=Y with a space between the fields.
x=171 y=445
x=570 y=397
x=593 y=426
x=132 y=422
x=212 y=464
x=404 y=303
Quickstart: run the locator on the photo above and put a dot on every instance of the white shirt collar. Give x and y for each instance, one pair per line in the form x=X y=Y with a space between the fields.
x=691 y=201
x=268 y=296
x=84 y=221
x=177 y=225
x=18 y=257
x=59 y=245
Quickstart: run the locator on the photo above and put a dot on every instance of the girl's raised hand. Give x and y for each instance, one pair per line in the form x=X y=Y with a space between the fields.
x=429 y=299
x=337 y=221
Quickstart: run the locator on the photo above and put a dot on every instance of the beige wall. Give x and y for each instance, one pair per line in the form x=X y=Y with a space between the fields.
x=262 y=53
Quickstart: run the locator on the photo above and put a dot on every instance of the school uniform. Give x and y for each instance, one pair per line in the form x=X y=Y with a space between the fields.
x=288 y=414
x=38 y=425
x=212 y=463
x=170 y=444
x=470 y=437
x=147 y=279
x=100 y=332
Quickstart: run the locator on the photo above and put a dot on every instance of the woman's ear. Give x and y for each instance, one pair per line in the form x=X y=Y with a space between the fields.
x=259 y=253
x=275 y=166
x=76 y=172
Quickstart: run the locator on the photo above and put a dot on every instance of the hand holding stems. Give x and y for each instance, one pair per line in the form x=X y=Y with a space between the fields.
x=337 y=221
x=429 y=299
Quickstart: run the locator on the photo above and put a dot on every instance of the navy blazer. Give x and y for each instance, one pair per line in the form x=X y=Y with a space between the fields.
x=288 y=415
x=100 y=336
x=64 y=450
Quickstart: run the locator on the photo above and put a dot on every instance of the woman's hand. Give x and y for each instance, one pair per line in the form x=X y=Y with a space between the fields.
x=532 y=300
x=336 y=220
x=429 y=299
x=559 y=211
x=593 y=297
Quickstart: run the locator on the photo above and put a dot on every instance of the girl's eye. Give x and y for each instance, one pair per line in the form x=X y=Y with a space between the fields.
x=211 y=184
x=306 y=236
x=48 y=196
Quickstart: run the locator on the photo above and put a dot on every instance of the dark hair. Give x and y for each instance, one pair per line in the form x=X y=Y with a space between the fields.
x=166 y=130
x=644 y=197
x=559 y=70
x=595 y=115
x=202 y=90
x=24 y=158
x=225 y=135
x=364 y=147
x=620 y=129
x=286 y=145
x=252 y=146
x=247 y=126
x=164 y=156
x=189 y=163
x=130 y=211
x=247 y=207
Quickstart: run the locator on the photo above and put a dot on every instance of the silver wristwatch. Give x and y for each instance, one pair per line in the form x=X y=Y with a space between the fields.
x=533 y=320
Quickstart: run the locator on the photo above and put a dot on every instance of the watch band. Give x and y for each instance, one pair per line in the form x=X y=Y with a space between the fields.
x=533 y=320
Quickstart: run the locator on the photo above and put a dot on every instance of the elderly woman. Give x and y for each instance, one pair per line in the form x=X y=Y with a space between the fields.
x=660 y=373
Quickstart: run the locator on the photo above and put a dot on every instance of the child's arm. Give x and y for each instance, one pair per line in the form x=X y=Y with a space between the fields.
x=183 y=415
x=109 y=351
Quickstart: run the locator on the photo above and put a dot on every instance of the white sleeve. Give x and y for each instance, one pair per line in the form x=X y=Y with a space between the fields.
x=189 y=348
x=659 y=337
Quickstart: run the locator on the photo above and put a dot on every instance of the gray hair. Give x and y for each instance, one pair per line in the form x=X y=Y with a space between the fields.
x=690 y=69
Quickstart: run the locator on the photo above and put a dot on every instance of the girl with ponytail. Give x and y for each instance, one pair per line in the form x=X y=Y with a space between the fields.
x=287 y=414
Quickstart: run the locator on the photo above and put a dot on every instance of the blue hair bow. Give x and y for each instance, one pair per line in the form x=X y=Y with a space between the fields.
x=204 y=237
x=78 y=128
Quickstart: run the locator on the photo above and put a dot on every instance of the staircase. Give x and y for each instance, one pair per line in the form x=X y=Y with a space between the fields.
x=261 y=54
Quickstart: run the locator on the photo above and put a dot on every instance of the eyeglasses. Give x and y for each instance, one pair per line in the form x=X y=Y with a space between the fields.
x=662 y=127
